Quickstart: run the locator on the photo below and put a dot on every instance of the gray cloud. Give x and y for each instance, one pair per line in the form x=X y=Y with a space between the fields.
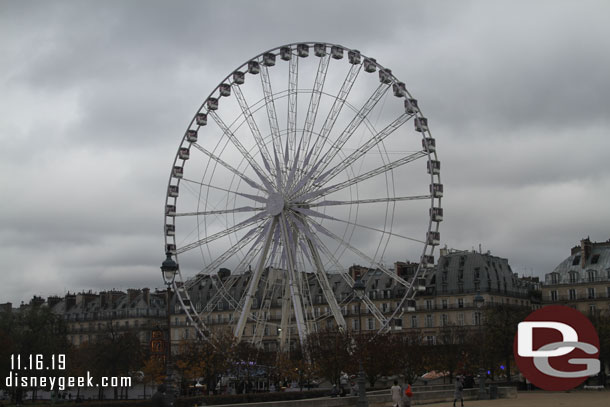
x=97 y=95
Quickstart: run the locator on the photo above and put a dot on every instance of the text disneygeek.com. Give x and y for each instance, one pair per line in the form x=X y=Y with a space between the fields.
x=61 y=383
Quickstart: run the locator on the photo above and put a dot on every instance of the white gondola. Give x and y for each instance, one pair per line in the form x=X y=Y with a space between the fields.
x=170 y=248
x=184 y=153
x=421 y=124
x=370 y=65
x=411 y=106
x=172 y=191
x=303 y=50
x=170 y=230
x=353 y=56
x=336 y=52
x=434 y=167
x=427 y=262
x=411 y=304
x=421 y=282
x=177 y=172
x=269 y=59
x=170 y=210
x=191 y=136
x=239 y=77
x=400 y=89
x=201 y=119
x=224 y=89
x=385 y=76
x=319 y=50
x=254 y=67
x=436 y=190
x=428 y=144
x=212 y=104
x=433 y=238
x=285 y=53
x=436 y=214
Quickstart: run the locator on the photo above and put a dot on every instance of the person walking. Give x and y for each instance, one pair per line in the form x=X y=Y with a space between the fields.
x=159 y=399
x=459 y=389
x=396 y=394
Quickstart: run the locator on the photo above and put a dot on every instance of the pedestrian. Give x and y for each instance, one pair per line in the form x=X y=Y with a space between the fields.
x=406 y=400
x=396 y=392
x=459 y=389
x=159 y=399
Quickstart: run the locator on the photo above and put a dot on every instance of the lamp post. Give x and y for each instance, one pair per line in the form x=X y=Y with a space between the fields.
x=478 y=302
x=362 y=401
x=169 y=268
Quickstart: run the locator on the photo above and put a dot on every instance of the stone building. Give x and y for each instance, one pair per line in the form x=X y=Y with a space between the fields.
x=582 y=280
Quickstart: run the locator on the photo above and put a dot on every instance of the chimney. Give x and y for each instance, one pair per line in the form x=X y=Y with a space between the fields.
x=146 y=295
x=132 y=294
x=53 y=301
x=70 y=301
x=6 y=307
x=585 y=245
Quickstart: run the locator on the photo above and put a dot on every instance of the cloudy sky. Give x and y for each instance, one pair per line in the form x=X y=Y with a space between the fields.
x=95 y=97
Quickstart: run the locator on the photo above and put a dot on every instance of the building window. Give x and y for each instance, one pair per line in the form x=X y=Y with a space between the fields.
x=554 y=278
x=430 y=340
x=576 y=261
x=592 y=308
x=595 y=259
x=460 y=319
x=444 y=304
x=477 y=318
x=572 y=294
x=460 y=303
x=591 y=293
x=371 y=323
x=444 y=320
x=414 y=321
x=398 y=323
x=573 y=277
x=553 y=295
x=355 y=326
x=429 y=321
x=591 y=276
x=428 y=304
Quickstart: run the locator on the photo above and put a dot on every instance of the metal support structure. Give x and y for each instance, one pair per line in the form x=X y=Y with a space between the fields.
x=362 y=400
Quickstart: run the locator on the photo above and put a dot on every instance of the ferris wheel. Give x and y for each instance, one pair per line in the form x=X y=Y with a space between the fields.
x=299 y=168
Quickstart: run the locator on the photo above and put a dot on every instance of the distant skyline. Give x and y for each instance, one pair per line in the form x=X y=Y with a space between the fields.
x=96 y=96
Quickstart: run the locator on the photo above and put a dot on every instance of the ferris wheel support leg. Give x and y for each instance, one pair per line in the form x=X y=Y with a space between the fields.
x=243 y=317
x=325 y=285
x=295 y=292
x=286 y=308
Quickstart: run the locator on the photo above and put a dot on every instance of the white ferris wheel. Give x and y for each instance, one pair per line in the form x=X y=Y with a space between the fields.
x=300 y=167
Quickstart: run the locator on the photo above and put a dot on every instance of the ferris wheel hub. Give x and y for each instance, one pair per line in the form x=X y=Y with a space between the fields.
x=275 y=203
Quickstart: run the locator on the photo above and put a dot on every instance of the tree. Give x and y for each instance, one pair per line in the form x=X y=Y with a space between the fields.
x=411 y=356
x=453 y=350
x=377 y=354
x=500 y=326
x=330 y=353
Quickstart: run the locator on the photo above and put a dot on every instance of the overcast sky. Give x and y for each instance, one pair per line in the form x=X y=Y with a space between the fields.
x=95 y=96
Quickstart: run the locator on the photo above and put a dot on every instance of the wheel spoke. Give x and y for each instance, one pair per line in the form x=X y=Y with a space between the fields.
x=225 y=129
x=229 y=167
x=245 y=108
x=349 y=131
x=273 y=123
x=340 y=100
x=293 y=81
x=363 y=149
x=374 y=200
x=314 y=101
x=370 y=260
x=254 y=219
x=363 y=177
x=220 y=212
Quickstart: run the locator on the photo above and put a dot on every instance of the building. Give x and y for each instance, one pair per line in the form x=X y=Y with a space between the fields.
x=90 y=316
x=446 y=299
x=582 y=280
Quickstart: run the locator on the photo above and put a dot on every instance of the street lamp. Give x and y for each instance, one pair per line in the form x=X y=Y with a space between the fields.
x=169 y=268
x=362 y=401
x=478 y=302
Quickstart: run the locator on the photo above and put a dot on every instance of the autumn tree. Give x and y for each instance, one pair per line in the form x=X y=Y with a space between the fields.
x=411 y=357
x=330 y=352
